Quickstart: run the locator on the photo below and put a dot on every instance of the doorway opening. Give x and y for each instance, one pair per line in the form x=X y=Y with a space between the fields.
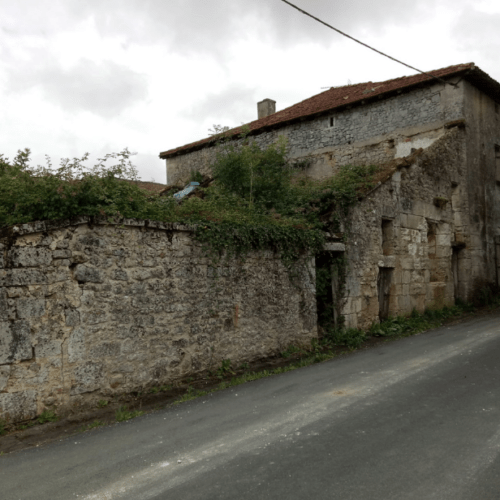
x=328 y=284
x=384 y=291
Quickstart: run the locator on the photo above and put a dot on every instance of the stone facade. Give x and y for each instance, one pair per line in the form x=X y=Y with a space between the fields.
x=402 y=238
x=89 y=310
x=374 y=133
x=430 y=233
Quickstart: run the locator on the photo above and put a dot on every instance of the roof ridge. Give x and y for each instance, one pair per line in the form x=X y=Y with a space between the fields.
x=329 y=100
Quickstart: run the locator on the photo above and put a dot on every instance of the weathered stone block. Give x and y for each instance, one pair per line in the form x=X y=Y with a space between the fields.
x=414 y=221
x=87 y=377
x=15 y=342
x=18 y=406
x=387 y=261
x=30 y=256
x=61 y=254
x=443 y=240
x=85 y=274
x=120 y=275
x=106 y=349
x=62 y=244
x=95 y=317
x=23 y=277
x=47 y=348
x=4 y=376
x=72 y=317
x=30 y=308
x=76 y=345
x=334 y=247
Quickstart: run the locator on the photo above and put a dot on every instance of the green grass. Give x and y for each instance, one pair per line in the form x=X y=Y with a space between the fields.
x=92 y=425
x=123 y=413
x=47 y=416
x=191 y=393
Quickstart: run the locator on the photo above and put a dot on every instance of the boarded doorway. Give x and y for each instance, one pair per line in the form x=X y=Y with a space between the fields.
x=384 y=291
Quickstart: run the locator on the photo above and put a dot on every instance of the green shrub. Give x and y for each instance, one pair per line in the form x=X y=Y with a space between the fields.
x=255 y=203
x=348 y=337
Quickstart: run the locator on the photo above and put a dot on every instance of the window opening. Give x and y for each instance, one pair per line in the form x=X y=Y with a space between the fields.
x=387 y=237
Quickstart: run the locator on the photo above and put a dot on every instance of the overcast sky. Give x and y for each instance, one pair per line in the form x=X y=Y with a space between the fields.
x=96 y=76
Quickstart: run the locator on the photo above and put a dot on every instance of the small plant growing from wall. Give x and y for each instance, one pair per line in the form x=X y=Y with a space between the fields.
x=440 y=202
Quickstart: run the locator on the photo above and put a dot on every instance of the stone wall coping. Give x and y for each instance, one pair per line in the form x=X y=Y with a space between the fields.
x=51 y=225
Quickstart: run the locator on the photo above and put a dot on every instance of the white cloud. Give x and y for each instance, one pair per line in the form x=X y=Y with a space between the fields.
x=154 y=74
x=103 y=88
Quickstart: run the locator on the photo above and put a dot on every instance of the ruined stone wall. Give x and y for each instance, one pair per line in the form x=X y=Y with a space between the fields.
x=92 y=310
x=373 y=133
x=483 y=187
x=405 y=247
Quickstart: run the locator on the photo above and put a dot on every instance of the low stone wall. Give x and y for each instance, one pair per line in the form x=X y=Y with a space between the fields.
x=90 y=309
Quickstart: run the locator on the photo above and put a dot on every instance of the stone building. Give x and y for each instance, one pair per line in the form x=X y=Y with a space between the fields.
x=430 y=231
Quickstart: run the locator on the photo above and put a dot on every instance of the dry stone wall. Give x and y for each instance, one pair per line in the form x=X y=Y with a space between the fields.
x=92 y=309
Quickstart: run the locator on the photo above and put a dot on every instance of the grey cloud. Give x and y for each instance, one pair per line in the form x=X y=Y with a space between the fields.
x=105 y=89
x=222 y=107
x=477 y=32
x=201 y=25
x=213 y=25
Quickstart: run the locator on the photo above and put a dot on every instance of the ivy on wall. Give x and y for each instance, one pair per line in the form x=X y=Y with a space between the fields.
x=258 y=200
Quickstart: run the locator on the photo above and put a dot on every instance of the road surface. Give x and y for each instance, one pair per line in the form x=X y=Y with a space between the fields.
x=418 y=418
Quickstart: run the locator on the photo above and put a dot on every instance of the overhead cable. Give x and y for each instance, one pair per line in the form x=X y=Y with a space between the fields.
x=365 y=45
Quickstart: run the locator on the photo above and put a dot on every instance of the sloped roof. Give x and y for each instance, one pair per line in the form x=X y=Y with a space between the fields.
x=339 y=97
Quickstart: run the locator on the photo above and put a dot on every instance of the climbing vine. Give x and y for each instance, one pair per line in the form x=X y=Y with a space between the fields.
x=258 y=199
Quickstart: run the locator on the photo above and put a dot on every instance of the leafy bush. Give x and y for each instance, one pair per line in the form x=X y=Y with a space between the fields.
x=349 y=337
x=260 y=176
x=45 y=193
x=256 y=202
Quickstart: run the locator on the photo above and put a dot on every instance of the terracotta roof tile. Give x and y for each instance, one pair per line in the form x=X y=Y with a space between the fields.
x=329 y=100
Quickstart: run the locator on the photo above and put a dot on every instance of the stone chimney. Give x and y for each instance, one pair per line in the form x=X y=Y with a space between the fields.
x=266 y=107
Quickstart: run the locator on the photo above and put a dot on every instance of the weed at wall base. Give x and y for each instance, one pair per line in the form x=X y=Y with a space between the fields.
x=123 y=413
x=47 y=416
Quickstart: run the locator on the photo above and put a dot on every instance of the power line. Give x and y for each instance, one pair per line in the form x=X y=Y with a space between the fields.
x=365 y=45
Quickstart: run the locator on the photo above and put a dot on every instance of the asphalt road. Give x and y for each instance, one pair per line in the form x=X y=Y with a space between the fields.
x=414 y=419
